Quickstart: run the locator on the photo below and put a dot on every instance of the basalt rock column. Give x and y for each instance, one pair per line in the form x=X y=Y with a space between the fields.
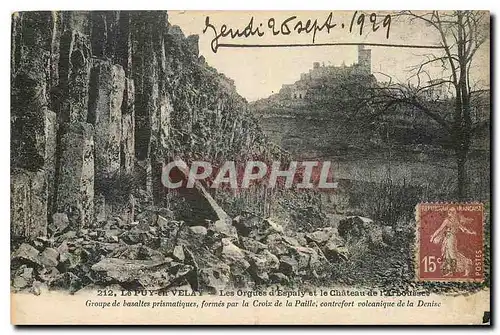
x=123 y=52
x=146 y=37
x=33 y=124
x=74 y=74
x=127 y=153
x=105 y=112
x=28 y=204
x=75 y=192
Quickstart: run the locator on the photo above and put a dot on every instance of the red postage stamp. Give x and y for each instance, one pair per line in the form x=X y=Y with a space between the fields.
x=450 y=242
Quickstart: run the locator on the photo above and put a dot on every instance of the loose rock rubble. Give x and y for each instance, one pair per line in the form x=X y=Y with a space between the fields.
x=156 y=252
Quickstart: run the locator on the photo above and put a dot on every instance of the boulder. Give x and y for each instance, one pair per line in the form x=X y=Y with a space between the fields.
x=335 y=253
x=256 y=227
x=388 y=234
x=68 y=261
x=63 y=247
x=277 y=245
x=279 y=278
x=112 y=235
x=214 y=277
x=224 y=228
x=65 y=281
x=163 y=223
x=23 y=277
x=136 y=236
x=245 y=225
x=272 y=227
x=292 y=241
x=354 y=226
x=148 y=253
x=161 y=211
x=59 y=223
x=46 y=275
x=174 y=274
x=261 y=265
x=149 y=274
x=131 y=237
x=320 y=236
x=307 y=258
x=67 y=236
x=301 y=238
x=233 y=256
x=272 y=261
x=178 y=253
x=198 y=230
x=126 y=251
x=252 y=245
x=38 y=287
x=49 y=257
x=19 y=282
x=288 y=266
x=26 y=254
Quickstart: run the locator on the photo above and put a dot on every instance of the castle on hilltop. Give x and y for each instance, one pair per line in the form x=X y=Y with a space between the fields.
x=300 y=88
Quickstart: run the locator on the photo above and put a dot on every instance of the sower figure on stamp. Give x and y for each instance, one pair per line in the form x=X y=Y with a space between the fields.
x=446 y=234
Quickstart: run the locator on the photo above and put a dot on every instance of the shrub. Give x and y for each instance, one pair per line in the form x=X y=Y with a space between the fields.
x=117 y=188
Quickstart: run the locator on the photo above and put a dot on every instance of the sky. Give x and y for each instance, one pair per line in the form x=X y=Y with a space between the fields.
x=260 y=72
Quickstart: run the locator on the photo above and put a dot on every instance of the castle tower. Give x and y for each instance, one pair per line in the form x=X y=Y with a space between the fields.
x=365 y=58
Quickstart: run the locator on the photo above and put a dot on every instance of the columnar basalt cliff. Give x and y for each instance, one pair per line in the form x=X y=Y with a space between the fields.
x=105 y=96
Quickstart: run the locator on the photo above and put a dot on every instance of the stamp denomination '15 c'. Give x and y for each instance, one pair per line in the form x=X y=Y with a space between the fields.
x=450 y=242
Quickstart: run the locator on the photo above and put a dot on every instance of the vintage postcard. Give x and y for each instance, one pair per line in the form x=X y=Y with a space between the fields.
x=252 y=168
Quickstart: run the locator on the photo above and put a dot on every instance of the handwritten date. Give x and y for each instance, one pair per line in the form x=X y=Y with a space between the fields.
x=360 y=23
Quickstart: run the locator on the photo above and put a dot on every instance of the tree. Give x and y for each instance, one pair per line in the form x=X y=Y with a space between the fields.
x=461 y=34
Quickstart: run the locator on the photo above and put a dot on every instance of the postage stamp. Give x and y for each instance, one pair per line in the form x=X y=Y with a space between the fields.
x=450 y=242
